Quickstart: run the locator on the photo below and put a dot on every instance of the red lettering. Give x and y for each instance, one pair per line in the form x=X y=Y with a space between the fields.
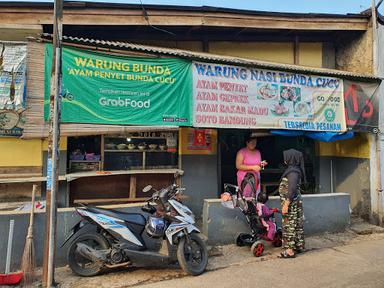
x=368 y=109
x=351 y=92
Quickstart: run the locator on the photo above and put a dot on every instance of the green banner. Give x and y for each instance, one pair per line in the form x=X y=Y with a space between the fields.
x=107 y=89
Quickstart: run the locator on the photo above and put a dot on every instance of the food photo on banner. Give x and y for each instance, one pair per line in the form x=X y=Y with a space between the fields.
x=99 y=88
x=229 y=96
x=12 y=88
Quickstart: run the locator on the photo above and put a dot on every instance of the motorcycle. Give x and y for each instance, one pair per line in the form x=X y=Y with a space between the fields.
x=164 y=233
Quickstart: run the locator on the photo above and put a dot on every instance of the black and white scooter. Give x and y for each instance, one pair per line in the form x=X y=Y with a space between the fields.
x=165 y=233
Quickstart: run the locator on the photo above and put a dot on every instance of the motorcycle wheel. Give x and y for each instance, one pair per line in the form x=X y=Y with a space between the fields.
x=192 y=255
x=81 y=265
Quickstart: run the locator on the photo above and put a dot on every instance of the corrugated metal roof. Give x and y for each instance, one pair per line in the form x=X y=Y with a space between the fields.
x=208 y=57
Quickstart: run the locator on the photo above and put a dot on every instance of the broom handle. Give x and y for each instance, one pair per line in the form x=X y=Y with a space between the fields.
x=9 y=247
x=30 y=228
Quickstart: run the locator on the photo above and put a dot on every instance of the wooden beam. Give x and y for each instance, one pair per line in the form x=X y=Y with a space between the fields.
x=115 y=200
x=113 y=16
x=20 y=171
x=27 y=180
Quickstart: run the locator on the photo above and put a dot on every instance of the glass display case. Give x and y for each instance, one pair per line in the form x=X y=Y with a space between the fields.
x=149 y=150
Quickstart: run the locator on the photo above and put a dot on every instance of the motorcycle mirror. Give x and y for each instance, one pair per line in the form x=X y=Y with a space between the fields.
x=147 y=188
x=178 y=173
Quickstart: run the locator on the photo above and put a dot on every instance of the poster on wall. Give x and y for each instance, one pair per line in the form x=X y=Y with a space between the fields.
x=106 y=89
x=229 y=96
x=361 y=106
x=198 y=141
x=12 y=88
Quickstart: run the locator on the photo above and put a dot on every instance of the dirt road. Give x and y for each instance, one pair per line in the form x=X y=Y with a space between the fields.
x=356 y=265
x=347 y=259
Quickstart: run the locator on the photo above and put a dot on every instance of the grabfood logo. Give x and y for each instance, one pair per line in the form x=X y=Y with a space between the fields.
x=125 y=102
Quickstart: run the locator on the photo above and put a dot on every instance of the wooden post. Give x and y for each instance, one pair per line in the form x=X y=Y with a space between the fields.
x=53 y=150
x=296 y=51
x=144 y=159
x=132 y=186
x=102 y=153
x=378 y=183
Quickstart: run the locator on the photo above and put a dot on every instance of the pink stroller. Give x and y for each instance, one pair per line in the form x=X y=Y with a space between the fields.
x=233 y=198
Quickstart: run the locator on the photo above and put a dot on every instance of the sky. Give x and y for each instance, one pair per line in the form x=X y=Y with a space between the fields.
x=301 y=6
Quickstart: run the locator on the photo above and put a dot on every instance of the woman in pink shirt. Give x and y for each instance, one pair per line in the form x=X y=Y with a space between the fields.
x=248 y=160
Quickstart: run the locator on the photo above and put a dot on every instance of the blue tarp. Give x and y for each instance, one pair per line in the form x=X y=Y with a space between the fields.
x=329 y=136
x=288 y=133
x=320 y=136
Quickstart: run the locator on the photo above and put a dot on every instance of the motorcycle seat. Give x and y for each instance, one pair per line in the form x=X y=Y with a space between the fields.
x=135 y=218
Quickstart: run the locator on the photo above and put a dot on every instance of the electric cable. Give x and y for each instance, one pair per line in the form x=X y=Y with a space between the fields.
x=146 y=17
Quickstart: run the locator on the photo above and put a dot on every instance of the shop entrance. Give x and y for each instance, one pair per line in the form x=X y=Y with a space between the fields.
x=271 y=148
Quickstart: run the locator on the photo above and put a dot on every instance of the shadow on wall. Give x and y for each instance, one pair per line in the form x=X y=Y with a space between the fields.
x=348 y=161
x=352 y=175
x=362 y=208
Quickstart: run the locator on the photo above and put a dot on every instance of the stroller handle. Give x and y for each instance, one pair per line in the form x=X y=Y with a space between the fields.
x=227 y=185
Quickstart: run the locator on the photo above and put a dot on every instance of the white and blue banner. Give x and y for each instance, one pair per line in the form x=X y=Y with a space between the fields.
x=226 y=96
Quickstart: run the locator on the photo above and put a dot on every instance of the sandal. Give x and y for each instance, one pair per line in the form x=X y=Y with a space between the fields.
x=285 y=254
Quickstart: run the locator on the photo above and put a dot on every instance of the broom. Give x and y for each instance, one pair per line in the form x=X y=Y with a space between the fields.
x=28 y=260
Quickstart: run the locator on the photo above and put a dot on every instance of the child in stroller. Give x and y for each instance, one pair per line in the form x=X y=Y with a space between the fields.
x=259 y=216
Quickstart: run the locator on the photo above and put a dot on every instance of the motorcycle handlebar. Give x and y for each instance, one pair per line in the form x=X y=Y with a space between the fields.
x=171 y=191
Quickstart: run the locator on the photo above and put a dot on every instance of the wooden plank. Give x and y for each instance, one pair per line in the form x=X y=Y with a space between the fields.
x=16 y=192
x=20 y=171
x=132 y=16
x=74 y=176
x=19 y=176
x=27 y=180
x=157 y=181
x=291 y=24
x=104 y=200
x=115 y=186
x=132 y=186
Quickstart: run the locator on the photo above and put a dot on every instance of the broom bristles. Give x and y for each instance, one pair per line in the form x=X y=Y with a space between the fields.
x=28 y=262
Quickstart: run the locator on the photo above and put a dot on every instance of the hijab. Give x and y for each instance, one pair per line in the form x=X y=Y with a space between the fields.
x=295 y=162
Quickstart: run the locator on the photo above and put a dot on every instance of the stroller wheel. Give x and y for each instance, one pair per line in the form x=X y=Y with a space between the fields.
x=244 y=239
x=257 y=248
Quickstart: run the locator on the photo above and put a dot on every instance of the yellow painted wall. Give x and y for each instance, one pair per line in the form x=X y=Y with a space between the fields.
x=190 y=45
x=63 y=144
x=186 y=45
x=357 y=147
x=275 y=52
x=18 y=152
x=311 y=54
